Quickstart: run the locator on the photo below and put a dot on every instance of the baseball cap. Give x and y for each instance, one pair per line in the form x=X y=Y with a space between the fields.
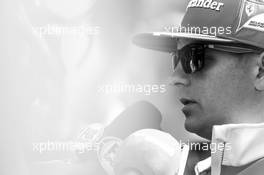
x=224 y=21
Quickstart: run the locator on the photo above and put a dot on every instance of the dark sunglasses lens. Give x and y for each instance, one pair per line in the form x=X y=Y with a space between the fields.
x=192 y=58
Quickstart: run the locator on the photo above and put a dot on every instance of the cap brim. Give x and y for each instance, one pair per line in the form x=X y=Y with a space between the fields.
x=167 y=41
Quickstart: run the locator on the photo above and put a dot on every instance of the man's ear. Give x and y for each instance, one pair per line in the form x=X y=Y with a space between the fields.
x=259 y=81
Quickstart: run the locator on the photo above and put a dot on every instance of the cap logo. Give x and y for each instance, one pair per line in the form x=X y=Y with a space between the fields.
x=250 y=9
x=251 y=15
x=206 y=4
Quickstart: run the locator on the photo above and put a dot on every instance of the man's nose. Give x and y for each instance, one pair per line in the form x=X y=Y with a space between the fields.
x=179 y=77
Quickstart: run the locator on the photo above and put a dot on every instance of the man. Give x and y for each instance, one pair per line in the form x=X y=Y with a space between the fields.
x=218 y=61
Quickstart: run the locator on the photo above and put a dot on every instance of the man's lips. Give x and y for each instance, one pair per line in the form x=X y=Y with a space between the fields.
x=187 y=101
x=189 y=105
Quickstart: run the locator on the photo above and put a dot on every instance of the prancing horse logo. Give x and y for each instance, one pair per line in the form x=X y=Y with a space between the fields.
x=251 y=15
x=250 y=9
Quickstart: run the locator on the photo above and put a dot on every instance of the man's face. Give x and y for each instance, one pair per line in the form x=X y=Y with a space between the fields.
x=221 y=91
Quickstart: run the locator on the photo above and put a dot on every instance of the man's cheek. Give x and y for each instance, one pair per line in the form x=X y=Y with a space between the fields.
x=211 y=105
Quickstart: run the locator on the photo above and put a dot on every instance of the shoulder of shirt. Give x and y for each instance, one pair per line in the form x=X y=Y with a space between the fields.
x=256 y=168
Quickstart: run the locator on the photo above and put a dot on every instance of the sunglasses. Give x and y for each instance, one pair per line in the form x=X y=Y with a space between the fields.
x=192 y=55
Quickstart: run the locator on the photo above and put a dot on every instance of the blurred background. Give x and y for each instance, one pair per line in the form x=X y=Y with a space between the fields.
x=56 y=55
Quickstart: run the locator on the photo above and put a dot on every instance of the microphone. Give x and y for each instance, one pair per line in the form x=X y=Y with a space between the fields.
x=141 y=115
x=150 y=152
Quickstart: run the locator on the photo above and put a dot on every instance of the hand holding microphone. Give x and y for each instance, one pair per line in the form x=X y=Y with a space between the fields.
x=131 y=145
x=145 y=149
